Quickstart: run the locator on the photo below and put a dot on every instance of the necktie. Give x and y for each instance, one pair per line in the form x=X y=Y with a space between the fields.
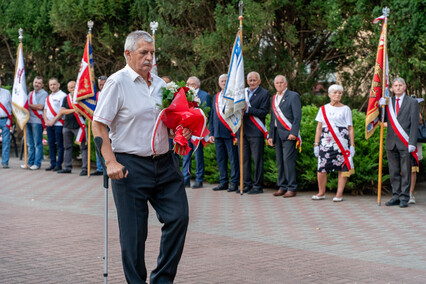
x=397 y=106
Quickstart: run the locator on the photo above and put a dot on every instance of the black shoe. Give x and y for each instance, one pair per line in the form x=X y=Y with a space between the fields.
x=97 y=173
x=83 y=173
x=403 y=204
x=220 y=187
x=246 y=189
x=255 y=191
x=58 y=169
x=187 y=184
x=197 y=185
x=232 y=188
x=392 y=202
x=64 y=171
x=50 y=168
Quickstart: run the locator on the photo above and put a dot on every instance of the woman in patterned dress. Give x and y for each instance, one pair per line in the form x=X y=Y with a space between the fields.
x=327 y=150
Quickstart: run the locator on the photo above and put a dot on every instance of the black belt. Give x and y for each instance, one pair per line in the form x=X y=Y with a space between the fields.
x=152 y=157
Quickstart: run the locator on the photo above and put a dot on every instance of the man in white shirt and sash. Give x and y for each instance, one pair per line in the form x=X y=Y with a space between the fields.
x=54 y=124
x=284 y=135
x=6 y=121
x=129 y=106
x=402 y=116
x=36 y=101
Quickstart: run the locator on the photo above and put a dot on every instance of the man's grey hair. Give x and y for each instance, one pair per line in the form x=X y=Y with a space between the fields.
x=399 y=79
x=223 y=76
x=335 y=87
x=280 y=76
x=253 y=73
x=133 y=38
x=197 y=81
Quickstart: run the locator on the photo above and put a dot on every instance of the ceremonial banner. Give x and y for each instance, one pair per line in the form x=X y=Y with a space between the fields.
x=376 y=92
x=84 y=98
x=19 y=91
x=154 y=66
x=234 y=97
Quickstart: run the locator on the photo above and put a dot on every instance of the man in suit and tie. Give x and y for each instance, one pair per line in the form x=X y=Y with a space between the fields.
x=204 y=97
x=255 y=133
x=222 y=136
x=402 y=115
x=284 y=129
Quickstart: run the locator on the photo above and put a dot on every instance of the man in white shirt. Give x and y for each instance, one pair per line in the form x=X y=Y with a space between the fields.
x=36 y=101
x=5 y=124
x=54 y=124
x=128 y=105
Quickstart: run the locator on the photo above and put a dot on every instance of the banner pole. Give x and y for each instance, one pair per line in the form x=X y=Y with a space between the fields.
x=384 y=85
x=241 y=140
x=88 y=141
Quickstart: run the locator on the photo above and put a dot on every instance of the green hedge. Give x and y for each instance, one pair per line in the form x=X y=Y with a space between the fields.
x=366 y=158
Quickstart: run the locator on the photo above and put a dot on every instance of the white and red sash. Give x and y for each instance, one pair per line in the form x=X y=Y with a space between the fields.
x=339 y=141
x=52 y=110
x=81 y=134
x=37 y=112
x=284 y=121
x=205 y=134
x=257 y=122
x=397 y=128
x=9 y=116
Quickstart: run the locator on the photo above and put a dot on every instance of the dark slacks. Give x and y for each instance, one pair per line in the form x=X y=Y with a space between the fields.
x=253 y=147
x=69 y=138
x=399 y=162
x=226 y=150
x=199 y=163
x=56 y=142
x=286 y=154
x=161 y=183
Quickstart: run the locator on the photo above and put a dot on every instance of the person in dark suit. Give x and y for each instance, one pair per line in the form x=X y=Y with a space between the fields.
x=283 y=133
x=402 y=116
x=204 y=97
x=222 y=136
x=255 y=133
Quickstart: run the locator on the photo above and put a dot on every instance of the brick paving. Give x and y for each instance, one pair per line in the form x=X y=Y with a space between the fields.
x=51 y=231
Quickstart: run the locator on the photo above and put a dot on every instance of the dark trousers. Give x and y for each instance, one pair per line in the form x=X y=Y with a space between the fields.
x=286 y=154
x=161 y=183
x=253 y=147
x=225 y=149
x=69 y=138
x=399 y=162
x=199 y=163
x=56 y=142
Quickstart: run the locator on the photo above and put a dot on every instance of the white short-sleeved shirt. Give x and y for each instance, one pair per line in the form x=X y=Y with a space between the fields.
x=340 y=116
x=6 y=100
x=39 y=98
x=55 y=100
x=130 y=108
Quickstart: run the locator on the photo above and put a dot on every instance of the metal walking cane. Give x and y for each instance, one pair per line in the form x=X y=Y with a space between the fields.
x=98 y=146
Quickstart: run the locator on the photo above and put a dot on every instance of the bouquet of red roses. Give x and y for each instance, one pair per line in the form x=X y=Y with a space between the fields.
x=181 y=109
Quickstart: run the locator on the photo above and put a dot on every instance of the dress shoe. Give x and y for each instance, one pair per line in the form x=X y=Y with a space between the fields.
x=197 y=185
x=187 y=184
x=392 y=202
x=64 y=171
x=97 y=173
x=289 y=194
x=83 y=173
x=232 y=188
x=255 y=191
x=50 y=168
x=403 y=204
x=5 y=166
x=220 y=187
x=57 y=169
x=279 y=192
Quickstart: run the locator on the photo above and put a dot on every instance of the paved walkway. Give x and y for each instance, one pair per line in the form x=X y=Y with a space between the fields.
x=51 y=231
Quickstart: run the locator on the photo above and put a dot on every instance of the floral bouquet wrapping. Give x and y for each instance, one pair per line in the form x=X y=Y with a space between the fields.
x=181 y=110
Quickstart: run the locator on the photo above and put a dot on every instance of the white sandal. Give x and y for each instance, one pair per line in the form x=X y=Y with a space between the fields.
x=337 y=199
x=316 y=197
